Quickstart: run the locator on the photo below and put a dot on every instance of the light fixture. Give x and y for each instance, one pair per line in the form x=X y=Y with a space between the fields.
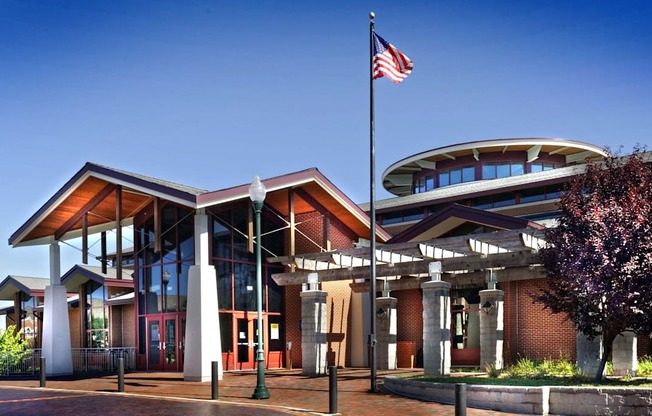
x=257 y=192
x=487 y=307
x=166 y=276
x=381 y=313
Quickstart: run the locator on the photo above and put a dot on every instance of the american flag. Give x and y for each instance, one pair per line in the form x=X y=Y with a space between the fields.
x=389 y=61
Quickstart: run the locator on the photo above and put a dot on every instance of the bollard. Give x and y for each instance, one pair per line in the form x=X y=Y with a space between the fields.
x=460 y=399
x=42 y=382
x=214 y=380
x=121 y=375
x=332 y=389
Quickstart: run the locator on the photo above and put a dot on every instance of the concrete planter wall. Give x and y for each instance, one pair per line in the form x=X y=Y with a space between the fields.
x=570 y=401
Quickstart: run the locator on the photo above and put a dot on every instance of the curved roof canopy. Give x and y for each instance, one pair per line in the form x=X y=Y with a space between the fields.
x=398 y=178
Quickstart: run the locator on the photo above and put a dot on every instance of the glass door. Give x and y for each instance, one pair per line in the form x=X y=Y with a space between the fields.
x=165 y=343
x=247 y=342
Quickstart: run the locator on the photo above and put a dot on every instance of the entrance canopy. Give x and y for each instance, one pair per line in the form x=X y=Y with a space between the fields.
x=507 y=255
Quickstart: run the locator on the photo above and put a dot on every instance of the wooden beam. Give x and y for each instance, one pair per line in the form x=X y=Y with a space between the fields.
x=85 y=238
x=455 y=279
x=293 y=225
x=99 y=197
x=467 y=263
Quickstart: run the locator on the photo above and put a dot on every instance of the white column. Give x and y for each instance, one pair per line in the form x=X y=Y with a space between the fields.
x=623 y=354
x=56 y=327
x=491 y=328
x=386 y=333
x=313 y=332
x=203 y=341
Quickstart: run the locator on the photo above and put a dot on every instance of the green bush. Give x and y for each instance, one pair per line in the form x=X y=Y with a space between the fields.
x=524 y=368
x=645 y=366
x=12 y=349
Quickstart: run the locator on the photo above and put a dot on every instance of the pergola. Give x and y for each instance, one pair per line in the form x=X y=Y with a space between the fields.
x=465 y=260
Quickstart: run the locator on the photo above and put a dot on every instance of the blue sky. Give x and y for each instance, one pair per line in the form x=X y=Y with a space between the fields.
x=211 y=93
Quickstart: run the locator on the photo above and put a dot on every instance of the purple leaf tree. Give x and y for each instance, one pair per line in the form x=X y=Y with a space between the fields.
x=599 y=257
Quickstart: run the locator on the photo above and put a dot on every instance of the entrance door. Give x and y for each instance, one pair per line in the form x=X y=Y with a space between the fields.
x=165 y=343
x=247 y=342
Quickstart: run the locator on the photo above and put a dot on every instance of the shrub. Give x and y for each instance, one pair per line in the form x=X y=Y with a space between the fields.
x=525 y=368
x=12 y=349
x=492 y=371
x=645 y=366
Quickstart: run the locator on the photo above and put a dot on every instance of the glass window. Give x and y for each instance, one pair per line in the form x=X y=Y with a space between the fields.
x=503 y=170
x=276 y=333
x=240 y=234
x=531 y=195
x=245 y=287
x=444 y=179
x=489 y=171
x=536 y=167
x=468 y=174
x=142 y=335
x=221 y=240
x=186 y=229
x=274 y=292
x=430 y=183
x=169 y=291
x=502 y=200
x=169 y=233
x=183 y=286
x=153 y=284
x=456 y=176
x=224 y=285
x=518 y=168
x=226 y=331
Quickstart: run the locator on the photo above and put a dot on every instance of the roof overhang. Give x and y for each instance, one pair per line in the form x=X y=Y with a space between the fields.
x=80 y=274
x=93 y=188
x=26 y=286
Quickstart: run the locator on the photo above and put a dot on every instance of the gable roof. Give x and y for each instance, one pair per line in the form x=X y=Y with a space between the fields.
x=95 y=187
x=455 y=215
x=82 y=273
x=27 y=285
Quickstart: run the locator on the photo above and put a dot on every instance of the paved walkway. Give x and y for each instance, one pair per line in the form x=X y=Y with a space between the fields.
x=167 y=394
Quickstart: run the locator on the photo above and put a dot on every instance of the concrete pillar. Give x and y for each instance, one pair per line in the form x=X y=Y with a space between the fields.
x=313 y=332
x=589 y=354
x=491 y=328
x=623 y=354
x=386 y=328
x=203 y=341
x=56 y=327
x=436 y=328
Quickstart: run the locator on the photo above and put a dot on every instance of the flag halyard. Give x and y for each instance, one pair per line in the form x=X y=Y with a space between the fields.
x=389 y=61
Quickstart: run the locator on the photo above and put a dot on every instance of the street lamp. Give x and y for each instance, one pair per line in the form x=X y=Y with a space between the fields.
x=165 y=277
x=257 y=193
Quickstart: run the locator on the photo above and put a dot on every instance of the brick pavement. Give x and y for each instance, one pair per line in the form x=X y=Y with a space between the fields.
x=291 y=393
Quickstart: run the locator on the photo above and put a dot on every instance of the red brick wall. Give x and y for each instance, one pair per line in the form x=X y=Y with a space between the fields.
x=123 y=326
x=339 y=296
x=530 y=330
x=409 y=308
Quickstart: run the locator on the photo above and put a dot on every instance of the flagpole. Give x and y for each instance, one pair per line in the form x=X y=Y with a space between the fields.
x=372 y=211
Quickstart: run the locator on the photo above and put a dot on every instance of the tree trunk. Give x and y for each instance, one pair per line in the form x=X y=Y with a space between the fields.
x=607 y=341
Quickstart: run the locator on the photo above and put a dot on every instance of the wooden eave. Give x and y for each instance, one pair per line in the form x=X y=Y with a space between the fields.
x=310 y=188
x=93 y=189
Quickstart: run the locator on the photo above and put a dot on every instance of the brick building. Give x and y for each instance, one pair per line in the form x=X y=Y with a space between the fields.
x=184 y=295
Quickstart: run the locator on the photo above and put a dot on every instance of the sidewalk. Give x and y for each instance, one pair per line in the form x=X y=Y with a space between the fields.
x=290 y=391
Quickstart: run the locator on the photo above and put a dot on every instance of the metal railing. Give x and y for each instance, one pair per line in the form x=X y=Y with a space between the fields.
x=83 y=360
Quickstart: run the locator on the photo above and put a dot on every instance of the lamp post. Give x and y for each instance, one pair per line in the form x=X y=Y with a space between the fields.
x=165 y=277
x=257 y=193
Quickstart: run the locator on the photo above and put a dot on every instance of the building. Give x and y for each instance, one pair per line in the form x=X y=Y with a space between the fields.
x=184 y=295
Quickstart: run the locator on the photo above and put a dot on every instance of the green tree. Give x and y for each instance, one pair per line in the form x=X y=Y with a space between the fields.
x=12 y=349
x=599 y=258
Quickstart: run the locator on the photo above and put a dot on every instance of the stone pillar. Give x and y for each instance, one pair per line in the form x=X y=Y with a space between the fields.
x=491 y=328
x=589 y=354
x=623 y=354
x=313 y=332
x=436 y=328
x=386 y=328
x=203 y=340
x=56 y=327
